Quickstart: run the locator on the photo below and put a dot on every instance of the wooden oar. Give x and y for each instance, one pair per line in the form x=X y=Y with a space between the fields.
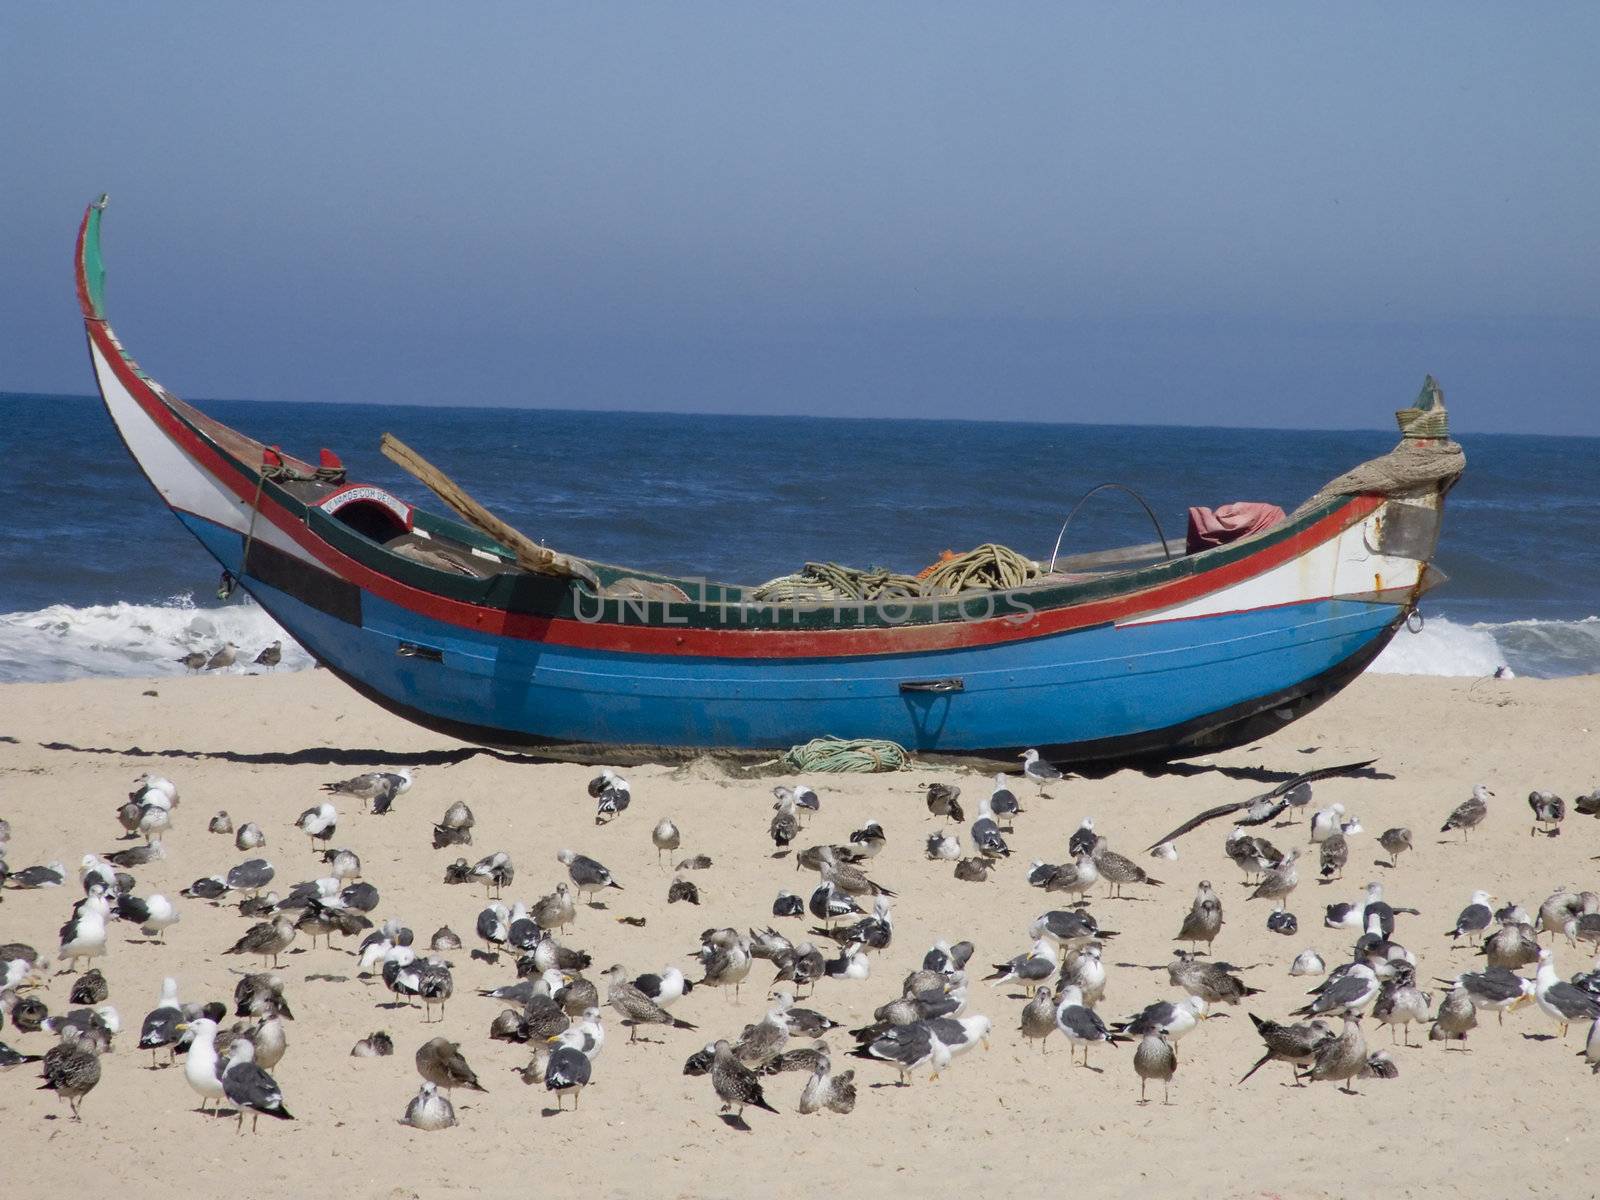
x=529 y=553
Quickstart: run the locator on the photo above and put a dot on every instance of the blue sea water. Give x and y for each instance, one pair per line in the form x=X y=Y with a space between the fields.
x=97 y=578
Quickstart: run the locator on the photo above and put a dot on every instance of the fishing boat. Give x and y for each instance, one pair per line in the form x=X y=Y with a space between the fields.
x=465 y=626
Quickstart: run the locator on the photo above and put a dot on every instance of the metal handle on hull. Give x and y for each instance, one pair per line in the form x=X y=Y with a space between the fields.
x=934 y=685
x=412 y=650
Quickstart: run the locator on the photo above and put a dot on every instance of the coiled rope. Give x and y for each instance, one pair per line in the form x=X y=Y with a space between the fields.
x=831 y=756
x=986 y=568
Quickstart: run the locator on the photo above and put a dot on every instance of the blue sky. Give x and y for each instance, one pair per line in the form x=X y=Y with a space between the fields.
x=1269 y=214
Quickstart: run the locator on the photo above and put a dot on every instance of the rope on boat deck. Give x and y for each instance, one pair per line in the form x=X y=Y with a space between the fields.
x=988 y=567
x=831 y=755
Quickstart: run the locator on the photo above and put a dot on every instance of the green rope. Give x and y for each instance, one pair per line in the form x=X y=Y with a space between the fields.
x=830 y=755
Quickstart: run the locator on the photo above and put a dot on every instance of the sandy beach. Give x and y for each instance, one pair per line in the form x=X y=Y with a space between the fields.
x=1504 y=1119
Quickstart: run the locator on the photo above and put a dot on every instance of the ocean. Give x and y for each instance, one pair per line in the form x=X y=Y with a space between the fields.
x=96 y=578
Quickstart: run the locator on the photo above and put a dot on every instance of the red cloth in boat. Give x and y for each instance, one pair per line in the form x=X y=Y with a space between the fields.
x=1230 y=522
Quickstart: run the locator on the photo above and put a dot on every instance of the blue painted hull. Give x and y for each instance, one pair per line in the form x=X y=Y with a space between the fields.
x=1100 y=685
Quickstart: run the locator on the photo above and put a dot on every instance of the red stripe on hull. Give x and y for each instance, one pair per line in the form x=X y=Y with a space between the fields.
x=719 y=643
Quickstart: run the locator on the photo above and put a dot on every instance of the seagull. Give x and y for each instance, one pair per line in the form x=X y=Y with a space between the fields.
x=1496 y=989
x=440 y=1062
x=84 y=935
x=1154 y=1058
x=1469 y=814
x=428 y=1110
x=804 y=799
x=1350 y=992
x=249 y=837
x=736 y=1085
x=907 y=1047
x=1325 y=822
x=1307 y=962
x=318 y=823
x=222 y=658
x=1513 y=946
x=1341 y=1059
x=71 y=1068
x=1548 y=810
x=943 y=846
x=377 y=788
x=252 y=875
x=1080 y=1025
x=836 y=1093
x=1068 y=929
x=943 y=800
x=455 y=827
x=271 y=656
x=1117 y=870
x=495 y=871
x=587 y=875
x=1003 y=801
x=1296 y=1045
x=1457 y=1017
x=1039 y=1018
x=870 y=839
x=248 y=1086
x=1559 y=1000
x=1212 y=982
x=1083 y=838
x=268 y=939
x=1038 y=770
x=1203 y=921
x=1258 y=810
x=1038 y=964
x=665 y=837
x=785 y=826
x=1334 y=853
x=619 y=789
x=635 y=1007
x=161 y=1025
x=200 y=1065
x=568 y=1072
x=1280 y=881
x=1400 y=1002
x=1474 y=918
x=1084 y=969
x=985 y=833
x=1175 y=1019
x=1395 y=842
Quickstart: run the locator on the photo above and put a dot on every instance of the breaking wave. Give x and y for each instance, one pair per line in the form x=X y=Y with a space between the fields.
x=134 y=640
x=1541 y=649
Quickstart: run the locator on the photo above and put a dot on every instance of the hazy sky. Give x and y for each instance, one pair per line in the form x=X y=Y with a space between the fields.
x=1271 y=213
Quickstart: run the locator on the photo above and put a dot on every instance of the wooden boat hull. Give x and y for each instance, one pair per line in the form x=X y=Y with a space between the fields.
x=1182 y=658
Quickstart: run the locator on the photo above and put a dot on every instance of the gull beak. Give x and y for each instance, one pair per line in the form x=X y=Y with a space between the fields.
x=182 y=1027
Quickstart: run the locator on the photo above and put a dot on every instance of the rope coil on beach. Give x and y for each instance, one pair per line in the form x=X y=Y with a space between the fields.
x=831 y=756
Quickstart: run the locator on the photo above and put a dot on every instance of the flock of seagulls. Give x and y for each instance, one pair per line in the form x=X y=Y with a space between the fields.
x=1052 y=980
x=227 y=654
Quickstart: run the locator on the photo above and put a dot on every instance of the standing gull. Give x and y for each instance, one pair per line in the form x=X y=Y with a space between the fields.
x=318 y=823
x=1117 y=869
x=440 y=1062
x=1469 y=814
x=1296 y=1045
x=1204 y=920
x=736 y=1085
x=1342 y=1059
x=1154 y=1058
x=200 y=1066
x=836 y=1093
x=377 y=788
x=1039 y=1018
x=635 y=1007
x=1457 y=1017
x=568 y=1072
x=248 y=1086
x=1082 y=1026
x=943 y=800
x=665 y=837
x=71 y=1068
x=1561 y=1001
x=1474 y=918
x=1280 y=881
x=1548 y=811
x=587 y=875
x=1038 y=770
x=1395 y=842
x=84 y=935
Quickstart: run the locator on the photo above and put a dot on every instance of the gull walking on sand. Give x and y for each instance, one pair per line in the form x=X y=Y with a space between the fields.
x=1469 y=814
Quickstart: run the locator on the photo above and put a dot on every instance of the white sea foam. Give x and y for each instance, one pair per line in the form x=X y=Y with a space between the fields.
x=137 y=640
x=1543 y=649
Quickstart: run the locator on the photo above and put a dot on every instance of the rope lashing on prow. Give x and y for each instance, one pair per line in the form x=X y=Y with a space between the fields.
x=833 y=756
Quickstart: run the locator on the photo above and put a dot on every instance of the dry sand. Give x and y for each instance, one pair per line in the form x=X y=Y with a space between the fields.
x=1501 y=1120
